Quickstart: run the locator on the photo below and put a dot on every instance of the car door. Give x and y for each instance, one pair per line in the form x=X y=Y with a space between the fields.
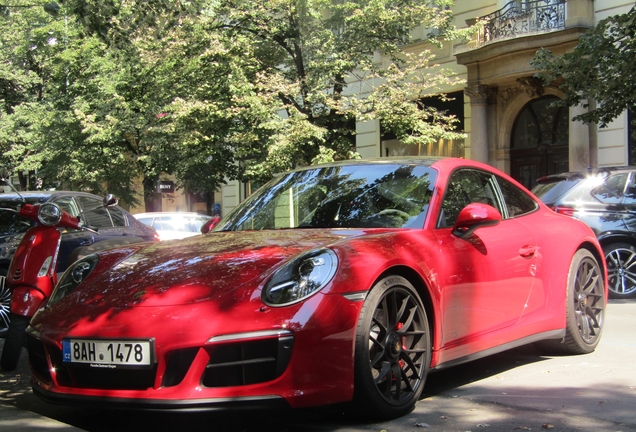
x=488 y=275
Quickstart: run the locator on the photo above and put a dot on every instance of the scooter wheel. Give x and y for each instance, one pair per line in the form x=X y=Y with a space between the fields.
x=16 y=337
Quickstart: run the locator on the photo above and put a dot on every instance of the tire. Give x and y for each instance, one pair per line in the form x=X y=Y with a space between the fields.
x=14 y=342
x=392 y=350
x=621 y=270
x=585 y=308
x=5 y=303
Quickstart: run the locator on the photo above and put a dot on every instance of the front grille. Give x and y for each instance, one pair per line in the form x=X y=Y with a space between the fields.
x=249 y=362
x=177 y=365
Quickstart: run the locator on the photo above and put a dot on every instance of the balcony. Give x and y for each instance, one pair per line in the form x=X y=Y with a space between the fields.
x=519 y=18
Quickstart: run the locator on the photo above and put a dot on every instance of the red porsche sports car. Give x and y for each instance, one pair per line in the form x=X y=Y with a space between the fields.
x=341 y=282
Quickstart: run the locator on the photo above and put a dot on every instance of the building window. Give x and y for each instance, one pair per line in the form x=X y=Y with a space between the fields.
x=391 y=146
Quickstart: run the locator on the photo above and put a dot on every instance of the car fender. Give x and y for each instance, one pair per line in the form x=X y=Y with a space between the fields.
x=26 y=300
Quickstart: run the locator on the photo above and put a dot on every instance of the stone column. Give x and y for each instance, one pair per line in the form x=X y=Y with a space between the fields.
x=479 y=95
x=579 y=141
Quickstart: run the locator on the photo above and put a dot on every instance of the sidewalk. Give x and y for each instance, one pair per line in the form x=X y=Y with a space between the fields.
x=16 y=420
x=15 y=409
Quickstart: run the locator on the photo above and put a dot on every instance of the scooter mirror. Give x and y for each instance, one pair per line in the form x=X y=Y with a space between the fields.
x=49 y=214
x=110 y=200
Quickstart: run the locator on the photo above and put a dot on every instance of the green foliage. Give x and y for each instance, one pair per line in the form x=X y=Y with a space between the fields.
x=211 y=90
x=600 y=69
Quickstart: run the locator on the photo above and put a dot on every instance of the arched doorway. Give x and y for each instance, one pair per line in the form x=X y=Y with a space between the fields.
x=539 y=141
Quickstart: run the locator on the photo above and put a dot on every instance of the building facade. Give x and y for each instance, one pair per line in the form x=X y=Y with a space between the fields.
x=507 y=114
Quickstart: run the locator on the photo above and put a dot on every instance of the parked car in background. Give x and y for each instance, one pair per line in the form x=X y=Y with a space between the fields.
x=605 y=199
x=112 y=223
x=344 y=282
x=174 y=225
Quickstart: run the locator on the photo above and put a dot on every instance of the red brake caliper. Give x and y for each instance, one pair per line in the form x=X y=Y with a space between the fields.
x=399 y=327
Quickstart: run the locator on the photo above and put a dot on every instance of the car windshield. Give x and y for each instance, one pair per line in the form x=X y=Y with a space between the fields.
x=353 y=196
x=10 y=222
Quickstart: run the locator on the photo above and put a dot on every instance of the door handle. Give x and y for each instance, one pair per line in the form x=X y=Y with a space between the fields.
x=86 y=242
x=527 y=251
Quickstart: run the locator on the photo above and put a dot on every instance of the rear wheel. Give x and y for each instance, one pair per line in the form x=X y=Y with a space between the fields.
x=393 y=350
x=14 y=342
x=621 y=269
x=5 y=303
x=585 y=308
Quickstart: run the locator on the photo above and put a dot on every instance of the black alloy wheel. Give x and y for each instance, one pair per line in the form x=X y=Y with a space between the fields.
x=393 y=350
x=586 y=304
x=585 y=308
x=5 y=303
x=621 y=270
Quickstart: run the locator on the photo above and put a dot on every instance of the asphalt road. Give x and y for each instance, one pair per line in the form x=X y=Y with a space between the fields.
x=514 y=391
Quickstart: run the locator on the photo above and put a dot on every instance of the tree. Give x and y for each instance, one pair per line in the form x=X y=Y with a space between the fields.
x=599 y=69
x=26 y=45
x=276 y=84
x=215 y=90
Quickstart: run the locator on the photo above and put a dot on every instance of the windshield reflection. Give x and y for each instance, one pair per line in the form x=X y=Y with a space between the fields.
x=357 y=196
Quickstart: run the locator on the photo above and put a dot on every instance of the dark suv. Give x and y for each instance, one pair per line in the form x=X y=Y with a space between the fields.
x=112 y=223
x=605 y=199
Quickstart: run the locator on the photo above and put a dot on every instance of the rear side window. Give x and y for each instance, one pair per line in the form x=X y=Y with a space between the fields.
x=95 y=213
x=611 y=190
x=117 y=216
x=518 y=202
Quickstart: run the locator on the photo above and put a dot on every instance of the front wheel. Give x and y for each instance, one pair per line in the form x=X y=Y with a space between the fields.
x=621 y=270
x=393 y=350
x=14 y=342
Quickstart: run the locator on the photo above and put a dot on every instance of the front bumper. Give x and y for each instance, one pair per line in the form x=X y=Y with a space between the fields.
x=305 y=360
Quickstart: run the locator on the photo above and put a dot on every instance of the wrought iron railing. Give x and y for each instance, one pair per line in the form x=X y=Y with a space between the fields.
x=522 y=17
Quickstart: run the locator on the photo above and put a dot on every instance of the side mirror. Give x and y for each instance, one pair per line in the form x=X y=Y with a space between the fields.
x=110 y=200
x=474 y=216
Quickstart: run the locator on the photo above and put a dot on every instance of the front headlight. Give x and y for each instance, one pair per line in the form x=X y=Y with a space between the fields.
x=300 y=278
x=73 y=276
x=49 y=214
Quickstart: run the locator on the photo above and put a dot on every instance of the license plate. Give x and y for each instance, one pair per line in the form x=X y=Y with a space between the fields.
x=106 y=353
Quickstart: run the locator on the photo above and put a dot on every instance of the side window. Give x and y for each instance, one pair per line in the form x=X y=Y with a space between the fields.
x=94 y=213
x=146 y=221
x=517 y=201
x=117 y=216
x=465 y=187
x=68 y=204
x=630 y=193
x=611 y=190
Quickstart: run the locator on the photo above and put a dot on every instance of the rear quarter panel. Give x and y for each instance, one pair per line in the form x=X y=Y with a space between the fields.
x=558 y=239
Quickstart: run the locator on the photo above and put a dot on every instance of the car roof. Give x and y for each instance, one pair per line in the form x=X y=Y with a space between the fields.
x=411 y=160
x=573 y=175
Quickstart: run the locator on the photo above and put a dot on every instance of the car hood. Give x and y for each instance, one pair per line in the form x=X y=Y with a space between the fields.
x=210 y=267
